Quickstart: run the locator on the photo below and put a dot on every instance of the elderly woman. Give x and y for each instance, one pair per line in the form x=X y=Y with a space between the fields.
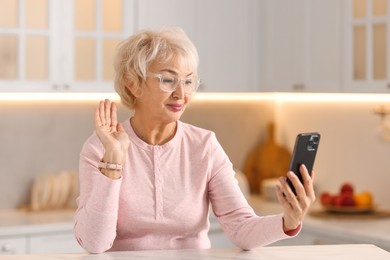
x=147 y=183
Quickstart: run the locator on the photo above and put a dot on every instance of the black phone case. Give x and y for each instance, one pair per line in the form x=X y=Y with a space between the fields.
x=305 y=150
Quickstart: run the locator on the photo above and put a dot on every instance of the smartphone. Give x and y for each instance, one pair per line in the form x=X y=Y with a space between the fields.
x=305 y=150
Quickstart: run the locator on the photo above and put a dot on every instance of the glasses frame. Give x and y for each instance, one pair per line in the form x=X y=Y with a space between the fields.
x=179 y=81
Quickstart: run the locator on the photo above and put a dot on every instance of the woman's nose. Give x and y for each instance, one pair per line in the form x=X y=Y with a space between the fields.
x=179 y=91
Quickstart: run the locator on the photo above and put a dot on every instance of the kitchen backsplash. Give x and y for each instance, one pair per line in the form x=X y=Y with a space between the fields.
x=46 y=137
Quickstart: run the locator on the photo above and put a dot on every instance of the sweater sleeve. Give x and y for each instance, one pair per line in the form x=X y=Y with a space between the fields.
x=97 y=212
x=238 y=220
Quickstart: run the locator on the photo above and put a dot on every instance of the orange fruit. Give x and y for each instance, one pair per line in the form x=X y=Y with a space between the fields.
x=364 y=199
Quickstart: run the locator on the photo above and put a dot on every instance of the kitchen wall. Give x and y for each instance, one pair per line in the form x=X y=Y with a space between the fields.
x=42 y=137
x=352 y=145
x=45 y=137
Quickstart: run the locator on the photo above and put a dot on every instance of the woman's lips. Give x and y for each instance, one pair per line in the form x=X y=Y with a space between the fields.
x=175 y=107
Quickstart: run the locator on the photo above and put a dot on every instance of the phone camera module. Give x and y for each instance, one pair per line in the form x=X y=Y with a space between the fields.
x=313 y=143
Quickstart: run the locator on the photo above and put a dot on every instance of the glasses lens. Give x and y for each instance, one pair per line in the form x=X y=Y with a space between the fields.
x=191 y=84
x=170 y=83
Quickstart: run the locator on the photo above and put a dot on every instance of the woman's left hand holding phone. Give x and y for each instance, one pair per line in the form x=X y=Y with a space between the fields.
x=114 y=138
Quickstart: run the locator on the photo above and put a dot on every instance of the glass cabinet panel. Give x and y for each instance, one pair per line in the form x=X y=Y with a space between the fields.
x=359 y=8
x=85 y=15
x=8 y=57
x=9 y=13
x=379 y=7
x=85 y=61
x=36 y=12
x=109 y=47
x=370 y=40
x=112 y=16
x=24 y=40
x=359 y=47
x=36 y=58
x=98 y=29
x=379 y=51
x=61 y=45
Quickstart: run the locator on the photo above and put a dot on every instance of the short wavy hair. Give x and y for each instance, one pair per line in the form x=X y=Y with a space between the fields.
x=136 y=53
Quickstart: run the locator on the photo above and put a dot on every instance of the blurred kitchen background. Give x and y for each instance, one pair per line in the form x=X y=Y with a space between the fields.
x=303 y=65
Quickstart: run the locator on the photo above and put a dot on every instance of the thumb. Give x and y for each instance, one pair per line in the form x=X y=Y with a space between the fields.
x=120 y=128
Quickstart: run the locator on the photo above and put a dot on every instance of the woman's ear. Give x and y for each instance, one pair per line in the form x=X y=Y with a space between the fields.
x=135 y=89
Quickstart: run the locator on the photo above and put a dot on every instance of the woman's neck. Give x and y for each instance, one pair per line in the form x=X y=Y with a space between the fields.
x=154 y=134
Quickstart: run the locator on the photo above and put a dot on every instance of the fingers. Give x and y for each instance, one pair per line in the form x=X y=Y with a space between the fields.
x=102 y=113
x=286 y=190
x=120 y=128
x=107 y=112
x=296 y=206
x=114 y=120
x=304 y=191
x=106 y=115
x=307 y=182
x=280 y=194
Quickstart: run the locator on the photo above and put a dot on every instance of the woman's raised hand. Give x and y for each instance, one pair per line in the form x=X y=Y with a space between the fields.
x=110 y=132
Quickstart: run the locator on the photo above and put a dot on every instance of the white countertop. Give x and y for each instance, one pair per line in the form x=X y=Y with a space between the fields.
x=373 y=231
x=22 y=222
x=325 y=252
x=376 y=231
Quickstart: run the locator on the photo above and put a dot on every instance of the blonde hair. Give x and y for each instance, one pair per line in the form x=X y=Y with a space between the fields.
x=137 y=52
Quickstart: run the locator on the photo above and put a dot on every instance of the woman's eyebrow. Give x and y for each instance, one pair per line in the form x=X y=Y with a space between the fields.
x=174 y=72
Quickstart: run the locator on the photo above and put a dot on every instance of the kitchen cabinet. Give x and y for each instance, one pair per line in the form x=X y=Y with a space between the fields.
x=73 y=46
x=303 y=51
x=63 y=242
x=225 y=32
x=320 y=231
x=367 y=46
x=61 y=45
x=313 y=238
x=25 y=232
x=13 y=245
x=217 y=236
x=41 y=242
x=244 y=46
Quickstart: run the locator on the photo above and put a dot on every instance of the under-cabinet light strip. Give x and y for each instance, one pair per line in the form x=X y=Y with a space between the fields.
x=271 y=96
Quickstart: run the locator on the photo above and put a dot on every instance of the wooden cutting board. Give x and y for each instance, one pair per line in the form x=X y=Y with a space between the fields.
x=268 y=160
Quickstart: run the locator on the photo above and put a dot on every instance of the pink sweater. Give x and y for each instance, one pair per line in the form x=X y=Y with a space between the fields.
x=162 y=199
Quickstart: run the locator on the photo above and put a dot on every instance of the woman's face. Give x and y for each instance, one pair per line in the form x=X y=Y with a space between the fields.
x=154 y=103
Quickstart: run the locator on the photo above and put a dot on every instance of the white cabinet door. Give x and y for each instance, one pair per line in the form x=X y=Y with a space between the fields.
x=13 y=245
x=367 y=56
x=286 y=45
x=54 y=243
x=229 y=44
x=225 y=32
x=324 y=60
x=303 y=50
x=61 y=45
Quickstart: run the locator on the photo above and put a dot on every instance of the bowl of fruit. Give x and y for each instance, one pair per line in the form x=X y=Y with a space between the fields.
x=347 y=200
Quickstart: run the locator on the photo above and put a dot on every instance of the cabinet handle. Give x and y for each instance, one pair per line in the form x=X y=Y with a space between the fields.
x=298 y=87
x=202 y=86
x=6 y=248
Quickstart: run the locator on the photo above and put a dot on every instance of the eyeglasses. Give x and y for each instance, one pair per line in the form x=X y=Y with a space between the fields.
x=169 y=83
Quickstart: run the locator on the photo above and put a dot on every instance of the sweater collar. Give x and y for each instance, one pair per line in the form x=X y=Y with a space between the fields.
x=142 y=144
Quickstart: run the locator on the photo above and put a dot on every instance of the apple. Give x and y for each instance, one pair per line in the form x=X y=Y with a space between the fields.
x=326 y=199
x=347 y=200
x=336 y=200
x=347 y=188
